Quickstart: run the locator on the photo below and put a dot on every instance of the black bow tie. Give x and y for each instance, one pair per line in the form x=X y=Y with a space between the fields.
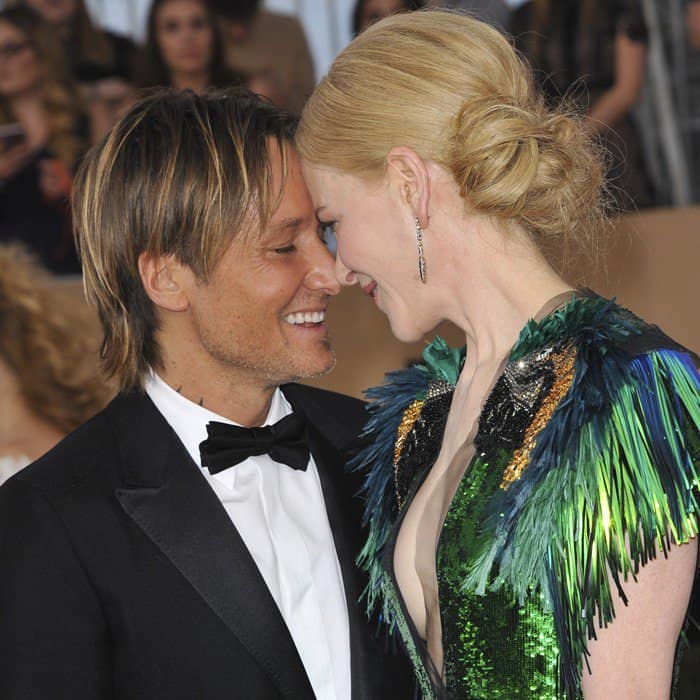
x=227 y=445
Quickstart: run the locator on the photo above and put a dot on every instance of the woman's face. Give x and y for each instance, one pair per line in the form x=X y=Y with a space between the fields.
x=376 y=246
x=374 y=10
x=55 y=11
x=20 y=71
x=184 y=36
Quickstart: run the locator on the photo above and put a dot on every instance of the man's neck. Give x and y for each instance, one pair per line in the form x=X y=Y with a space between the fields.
x=241 y=400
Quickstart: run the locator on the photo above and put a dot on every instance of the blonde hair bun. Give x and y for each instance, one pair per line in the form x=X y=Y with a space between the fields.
x=454 y=90
x=526 y=163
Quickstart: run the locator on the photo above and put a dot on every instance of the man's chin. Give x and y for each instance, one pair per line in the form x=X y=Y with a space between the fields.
x=298 y=372
x=321 y=368
x=330 y=366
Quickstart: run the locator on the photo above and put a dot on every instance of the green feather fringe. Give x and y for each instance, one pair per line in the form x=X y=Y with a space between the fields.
x=626 y=490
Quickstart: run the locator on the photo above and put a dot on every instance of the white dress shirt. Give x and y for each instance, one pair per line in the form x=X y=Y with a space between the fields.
x=280 y=514
x=10 y=465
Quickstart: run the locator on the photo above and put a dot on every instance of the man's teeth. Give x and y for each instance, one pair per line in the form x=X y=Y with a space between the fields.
x=309 y=317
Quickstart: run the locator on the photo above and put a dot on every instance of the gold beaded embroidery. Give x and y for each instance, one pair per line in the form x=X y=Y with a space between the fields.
x=410 y=416
x=564 y=376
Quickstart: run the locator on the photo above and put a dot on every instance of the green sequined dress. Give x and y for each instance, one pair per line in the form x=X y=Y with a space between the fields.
x=585 y=466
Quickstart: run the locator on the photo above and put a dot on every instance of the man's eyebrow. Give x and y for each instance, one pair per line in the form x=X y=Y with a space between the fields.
x=289 y=222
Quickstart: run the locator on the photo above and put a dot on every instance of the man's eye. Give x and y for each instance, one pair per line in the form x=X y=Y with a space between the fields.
x=285 y=250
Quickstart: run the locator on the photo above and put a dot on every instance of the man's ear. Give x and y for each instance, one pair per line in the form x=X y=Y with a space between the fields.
x=165 y=280
x=408 y=176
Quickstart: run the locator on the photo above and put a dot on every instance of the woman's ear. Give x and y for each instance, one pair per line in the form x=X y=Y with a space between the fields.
x=165 y=280
x=409 y=177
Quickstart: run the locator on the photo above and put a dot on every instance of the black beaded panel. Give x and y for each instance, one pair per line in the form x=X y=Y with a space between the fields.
x=516 y=397
x=423 y=442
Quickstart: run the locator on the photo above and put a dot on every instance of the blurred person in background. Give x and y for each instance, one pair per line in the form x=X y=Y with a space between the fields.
x=692 y=23
x=495 y=12
x=368 y=12
x=183 y=48
x=594 y=53
x=269 y=47
x=47 y=388
x=43 y=133
x=101 y=62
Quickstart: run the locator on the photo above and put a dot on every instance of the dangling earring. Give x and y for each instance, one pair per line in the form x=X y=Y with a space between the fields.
x=421 y=256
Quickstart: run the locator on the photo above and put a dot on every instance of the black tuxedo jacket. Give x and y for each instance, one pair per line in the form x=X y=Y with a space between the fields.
x=122 y=576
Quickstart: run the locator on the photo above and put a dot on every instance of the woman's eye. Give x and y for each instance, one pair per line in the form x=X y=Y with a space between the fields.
x=285 y=250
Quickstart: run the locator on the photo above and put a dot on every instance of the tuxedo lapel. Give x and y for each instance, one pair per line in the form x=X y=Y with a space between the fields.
x=169 y=499
x=344 y=511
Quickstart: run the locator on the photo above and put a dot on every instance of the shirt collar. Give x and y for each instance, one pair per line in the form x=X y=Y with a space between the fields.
x=189 y=420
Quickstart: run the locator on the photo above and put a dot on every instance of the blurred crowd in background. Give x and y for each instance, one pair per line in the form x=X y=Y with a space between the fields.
x=627 y=66
x=64 y=81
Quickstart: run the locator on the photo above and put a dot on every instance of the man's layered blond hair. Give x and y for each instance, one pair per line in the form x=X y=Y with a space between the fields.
x=182 y=175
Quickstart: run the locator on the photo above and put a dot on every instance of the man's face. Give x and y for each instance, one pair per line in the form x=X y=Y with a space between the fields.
x=260 y=316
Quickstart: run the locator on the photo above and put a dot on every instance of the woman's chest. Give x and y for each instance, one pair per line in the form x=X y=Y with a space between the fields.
x=420 y=529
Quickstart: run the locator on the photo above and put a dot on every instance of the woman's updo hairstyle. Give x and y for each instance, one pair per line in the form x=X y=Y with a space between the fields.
x=454 y=90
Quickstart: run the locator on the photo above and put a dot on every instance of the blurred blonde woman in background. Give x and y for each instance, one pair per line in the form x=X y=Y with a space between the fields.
x=49 y=380
x=531 y=498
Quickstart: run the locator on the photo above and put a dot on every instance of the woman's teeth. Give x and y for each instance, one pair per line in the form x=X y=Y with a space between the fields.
x=308 y=317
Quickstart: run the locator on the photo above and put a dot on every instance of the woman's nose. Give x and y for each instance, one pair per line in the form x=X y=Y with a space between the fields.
x=321 y=272
x=344 y=274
